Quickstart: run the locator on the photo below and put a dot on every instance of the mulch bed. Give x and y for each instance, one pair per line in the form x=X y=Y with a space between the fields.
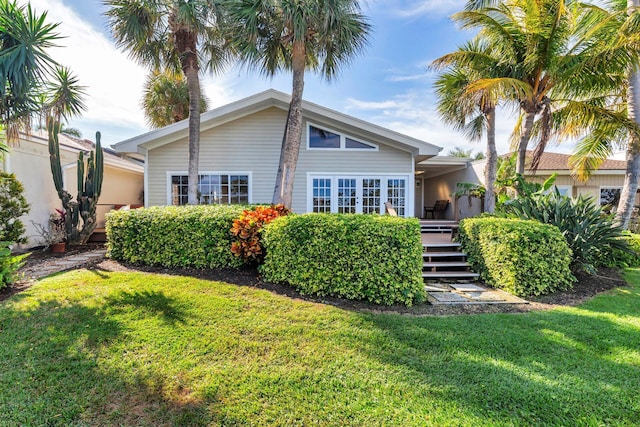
x=586 y=287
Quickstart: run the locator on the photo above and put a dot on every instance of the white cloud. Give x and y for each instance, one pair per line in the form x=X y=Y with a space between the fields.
x=406 y=78
x=414 y=114
x=432 y=7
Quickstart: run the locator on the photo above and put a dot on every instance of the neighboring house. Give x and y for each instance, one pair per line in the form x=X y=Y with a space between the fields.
x=345 y=164
x=29 y=161
x=443 y=174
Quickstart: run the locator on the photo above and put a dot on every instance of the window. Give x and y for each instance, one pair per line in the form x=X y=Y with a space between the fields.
x=213 y=189
x=610 y=196
x=323 y=139
x=321 y=195
x=320 y=138
x=396 y=194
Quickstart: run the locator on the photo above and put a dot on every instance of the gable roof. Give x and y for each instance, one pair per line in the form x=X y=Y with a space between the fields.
x=560 y=162
x=261 y=101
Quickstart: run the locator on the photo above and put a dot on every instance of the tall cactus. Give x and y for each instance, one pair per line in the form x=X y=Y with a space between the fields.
x=89 y=187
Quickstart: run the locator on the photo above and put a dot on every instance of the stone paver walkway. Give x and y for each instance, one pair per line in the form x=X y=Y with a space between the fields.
x=56 y=265
x=468 y=293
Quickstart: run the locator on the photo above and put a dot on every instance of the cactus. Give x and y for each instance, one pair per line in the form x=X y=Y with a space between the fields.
x=90 y=176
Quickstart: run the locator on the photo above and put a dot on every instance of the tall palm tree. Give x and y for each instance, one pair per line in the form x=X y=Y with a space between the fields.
x=471 y=111
x=296 y=35
x=180 y=34
x=615 y=121
x=553 y=51
x=25 y=64
x=632 y=174
x=165 y=98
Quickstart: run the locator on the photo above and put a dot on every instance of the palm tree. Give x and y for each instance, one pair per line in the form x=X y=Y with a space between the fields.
x=632 y=174
x=165 y=98
x=471 y=111
x=319 y=35
x=466 y=154
x=25 y=64
x=553 y=51
x=179 y=34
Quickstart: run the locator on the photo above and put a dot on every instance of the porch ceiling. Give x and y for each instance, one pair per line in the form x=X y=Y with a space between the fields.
x=440 y=165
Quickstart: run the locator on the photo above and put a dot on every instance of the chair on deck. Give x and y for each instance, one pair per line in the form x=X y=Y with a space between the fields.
x=390 y=210
x=438 y=209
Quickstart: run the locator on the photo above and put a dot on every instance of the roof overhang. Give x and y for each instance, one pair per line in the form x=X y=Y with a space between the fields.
x=273 y=98
x=441 y=165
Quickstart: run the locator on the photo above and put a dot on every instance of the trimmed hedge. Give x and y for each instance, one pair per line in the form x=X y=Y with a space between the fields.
x=360 y=257
x=174 y=236
x=521 y=257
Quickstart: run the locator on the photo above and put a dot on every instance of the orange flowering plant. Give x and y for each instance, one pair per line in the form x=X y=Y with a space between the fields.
x=247 y=230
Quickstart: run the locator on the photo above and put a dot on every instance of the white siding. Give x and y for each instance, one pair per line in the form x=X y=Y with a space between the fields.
x=252 y=144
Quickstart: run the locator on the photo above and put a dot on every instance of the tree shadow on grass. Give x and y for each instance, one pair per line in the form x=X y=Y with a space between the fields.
x=60 y=365
x=564 y=367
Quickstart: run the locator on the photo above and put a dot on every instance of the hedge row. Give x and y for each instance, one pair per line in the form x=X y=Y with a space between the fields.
x=630 y=258
x=174 y=236
x=361 y=257
x=521 y=257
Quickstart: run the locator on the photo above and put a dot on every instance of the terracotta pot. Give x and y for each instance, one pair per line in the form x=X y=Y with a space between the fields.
x=59 y=248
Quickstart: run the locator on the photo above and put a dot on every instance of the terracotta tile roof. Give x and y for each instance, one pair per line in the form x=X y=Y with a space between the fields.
x=558 y=161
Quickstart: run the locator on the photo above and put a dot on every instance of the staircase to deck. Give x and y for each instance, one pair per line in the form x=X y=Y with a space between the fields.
x=442 y=258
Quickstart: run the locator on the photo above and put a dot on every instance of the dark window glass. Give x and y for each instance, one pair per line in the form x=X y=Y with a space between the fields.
x=320 y=138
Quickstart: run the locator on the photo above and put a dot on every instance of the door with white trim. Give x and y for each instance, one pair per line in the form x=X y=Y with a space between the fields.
x=357 y=194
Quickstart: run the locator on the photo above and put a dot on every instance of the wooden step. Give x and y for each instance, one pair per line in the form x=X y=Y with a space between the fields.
x=446 y=264
x=441 y=245
x=449 y=275
x=443 y=254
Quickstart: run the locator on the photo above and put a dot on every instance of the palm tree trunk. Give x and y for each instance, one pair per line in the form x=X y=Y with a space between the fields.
x=283 y=190
x=632 y=174
x=491 y=169
x=193 y=84
x=524 y=141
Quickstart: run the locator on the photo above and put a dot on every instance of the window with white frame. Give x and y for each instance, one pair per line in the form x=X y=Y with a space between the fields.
x=324 y=139
x=321 y=201
x=213 y=189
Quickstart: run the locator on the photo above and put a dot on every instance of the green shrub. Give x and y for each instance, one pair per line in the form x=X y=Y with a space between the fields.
x=12 y=206
x=591 y=234
x=9 y=264
x=521 y=257
x=629 y=257
x=361 y=257
x=174 y=236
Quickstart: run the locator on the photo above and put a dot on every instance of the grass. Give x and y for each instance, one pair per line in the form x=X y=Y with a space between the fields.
x=101 y=348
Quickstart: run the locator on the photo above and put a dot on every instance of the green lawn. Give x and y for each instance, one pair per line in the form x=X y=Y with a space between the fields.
x=100 y=348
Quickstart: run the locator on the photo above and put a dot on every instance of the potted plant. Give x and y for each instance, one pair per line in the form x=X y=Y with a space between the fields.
x=53 y=235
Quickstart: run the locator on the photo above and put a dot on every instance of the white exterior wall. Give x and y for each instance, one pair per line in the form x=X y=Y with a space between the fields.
x=252 y=145
x=29 y=161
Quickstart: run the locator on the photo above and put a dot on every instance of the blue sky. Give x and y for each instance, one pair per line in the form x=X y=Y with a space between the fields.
x=387 y=85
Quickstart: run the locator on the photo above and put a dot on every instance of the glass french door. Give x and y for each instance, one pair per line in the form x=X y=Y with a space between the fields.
x=358 y=194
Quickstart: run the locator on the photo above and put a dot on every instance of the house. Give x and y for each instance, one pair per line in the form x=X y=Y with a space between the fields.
x=345 y=164
x=441 y=176
x=29 y=161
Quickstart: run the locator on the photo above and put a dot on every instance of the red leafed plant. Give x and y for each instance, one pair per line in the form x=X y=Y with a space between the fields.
x=248 y=231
